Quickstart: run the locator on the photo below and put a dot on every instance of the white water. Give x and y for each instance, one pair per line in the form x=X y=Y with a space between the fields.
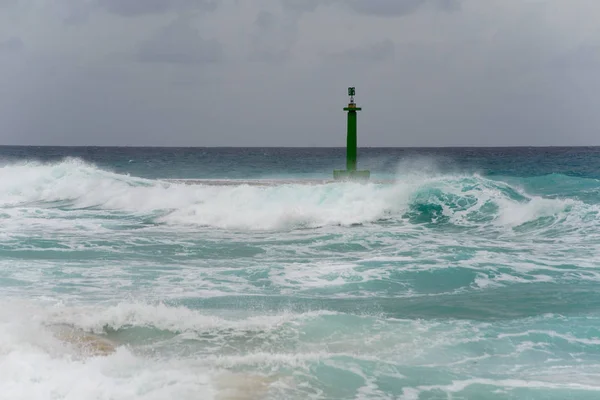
x=26 y=191
x=221 y=292
x=36 y=364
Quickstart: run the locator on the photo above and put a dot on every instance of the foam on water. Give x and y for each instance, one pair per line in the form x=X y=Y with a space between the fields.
x=442 y=284
x=36 y=364
x=33 y=190
x=279 y=355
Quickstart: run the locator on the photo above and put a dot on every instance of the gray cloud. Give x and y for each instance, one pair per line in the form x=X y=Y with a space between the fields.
x=448 y=5
x=8 y=3
x=273 y=37
x=265 y=20
x=385 y=7
x=132 y=8
x=376 y=52
x=304 y=5
x=495 y=73
x=74 y=12
x=11 y=45
x=179 y=43
x=374 y=7
x=584 y=57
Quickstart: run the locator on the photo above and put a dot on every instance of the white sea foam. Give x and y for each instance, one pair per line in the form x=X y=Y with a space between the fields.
x=155 y=240
x=36 y=364
x=79 y=186
x=175 y=319
x=37 y=361
x=567 y=337
x=323 y=275
x=458 y=386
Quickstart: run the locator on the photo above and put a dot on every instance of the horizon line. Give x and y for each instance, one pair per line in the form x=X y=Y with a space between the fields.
x=300 y=147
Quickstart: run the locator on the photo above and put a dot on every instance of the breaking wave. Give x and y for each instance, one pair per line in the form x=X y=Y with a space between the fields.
x=467 y=200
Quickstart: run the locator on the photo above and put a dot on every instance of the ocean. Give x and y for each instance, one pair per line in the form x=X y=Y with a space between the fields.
x=473 y=275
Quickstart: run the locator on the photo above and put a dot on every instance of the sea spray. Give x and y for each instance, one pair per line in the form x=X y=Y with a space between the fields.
x=474 y=275
x=73 y=185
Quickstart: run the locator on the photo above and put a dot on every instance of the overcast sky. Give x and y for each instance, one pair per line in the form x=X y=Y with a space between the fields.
x=276 y=72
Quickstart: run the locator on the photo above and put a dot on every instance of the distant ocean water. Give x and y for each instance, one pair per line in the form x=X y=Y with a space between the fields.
x=475 y=276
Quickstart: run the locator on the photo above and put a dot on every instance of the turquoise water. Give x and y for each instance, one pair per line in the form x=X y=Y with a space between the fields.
x=474 y=276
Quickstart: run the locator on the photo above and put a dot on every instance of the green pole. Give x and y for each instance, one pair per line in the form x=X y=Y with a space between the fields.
x=351 y=146
x=351 y=141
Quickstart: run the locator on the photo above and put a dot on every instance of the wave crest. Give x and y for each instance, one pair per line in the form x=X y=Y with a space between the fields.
x=462 y=200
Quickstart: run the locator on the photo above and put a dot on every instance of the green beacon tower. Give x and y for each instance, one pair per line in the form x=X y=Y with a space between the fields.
x=351 y=173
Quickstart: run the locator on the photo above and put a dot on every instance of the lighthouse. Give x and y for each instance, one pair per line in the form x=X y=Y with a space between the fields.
x=351 y=172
